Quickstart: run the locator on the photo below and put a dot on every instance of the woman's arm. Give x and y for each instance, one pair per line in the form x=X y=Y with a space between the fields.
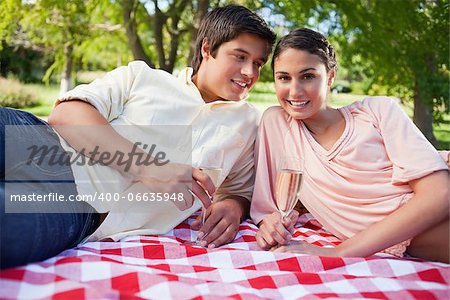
x=428 y=207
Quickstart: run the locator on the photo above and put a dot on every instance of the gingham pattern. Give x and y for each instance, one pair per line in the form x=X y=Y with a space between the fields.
x=162 y=267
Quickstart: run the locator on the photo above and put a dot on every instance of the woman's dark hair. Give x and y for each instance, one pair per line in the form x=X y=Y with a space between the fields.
x=224 y=24
x=307 y=40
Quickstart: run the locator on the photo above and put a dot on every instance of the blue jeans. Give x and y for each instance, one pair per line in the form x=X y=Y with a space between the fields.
x=36 y=234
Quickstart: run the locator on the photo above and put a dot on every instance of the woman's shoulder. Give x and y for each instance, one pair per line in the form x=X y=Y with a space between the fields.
x=376 y=101
x=375 y=104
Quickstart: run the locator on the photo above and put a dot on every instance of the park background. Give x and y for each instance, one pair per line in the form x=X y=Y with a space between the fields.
x=398 y=48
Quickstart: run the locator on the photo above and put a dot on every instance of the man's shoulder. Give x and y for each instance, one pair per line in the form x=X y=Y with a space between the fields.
x=141 y=67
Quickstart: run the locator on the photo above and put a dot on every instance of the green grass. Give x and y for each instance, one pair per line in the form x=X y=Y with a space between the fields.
x=46 y=94
x=442 y=133
x=262 y=96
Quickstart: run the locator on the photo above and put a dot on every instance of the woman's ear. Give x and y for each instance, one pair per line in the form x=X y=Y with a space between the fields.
x=331 y=77
x=205 y=48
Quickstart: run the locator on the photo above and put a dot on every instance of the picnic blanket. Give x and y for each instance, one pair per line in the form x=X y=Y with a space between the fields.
x=162 y=267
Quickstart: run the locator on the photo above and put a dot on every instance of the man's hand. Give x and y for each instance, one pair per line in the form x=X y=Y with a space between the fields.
x=222 y=222
x=178 y=178
x=273 y=231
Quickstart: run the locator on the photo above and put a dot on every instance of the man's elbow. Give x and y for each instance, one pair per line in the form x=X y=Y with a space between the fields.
x=74 y=112
x=56 y=117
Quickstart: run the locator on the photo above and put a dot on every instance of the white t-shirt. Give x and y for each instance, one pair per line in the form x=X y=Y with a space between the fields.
x=223 y=134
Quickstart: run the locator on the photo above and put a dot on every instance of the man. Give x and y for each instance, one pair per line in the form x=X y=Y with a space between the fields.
x=96 y=119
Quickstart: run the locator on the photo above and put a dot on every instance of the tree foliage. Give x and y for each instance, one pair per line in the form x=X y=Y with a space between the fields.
x=401 y=45
x=395 y=47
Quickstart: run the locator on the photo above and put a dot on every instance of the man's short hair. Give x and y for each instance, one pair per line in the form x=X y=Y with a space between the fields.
x=224 y=24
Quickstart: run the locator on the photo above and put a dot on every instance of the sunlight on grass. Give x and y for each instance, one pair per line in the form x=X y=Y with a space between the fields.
x=262 y=96
x=263 y=100
x=46 y=94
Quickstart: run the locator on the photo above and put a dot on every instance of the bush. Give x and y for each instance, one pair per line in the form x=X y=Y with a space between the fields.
x=264 y=87
x=341 y=86
x=13 y=94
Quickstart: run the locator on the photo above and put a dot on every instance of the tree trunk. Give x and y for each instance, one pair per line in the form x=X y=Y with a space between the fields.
x=129 y=18
x=175 y=34
x=202 y=9
x=66 y=75
x=159 y=20
x=423 y=115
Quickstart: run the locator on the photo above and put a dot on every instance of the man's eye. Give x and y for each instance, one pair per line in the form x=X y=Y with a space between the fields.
x=240 y=57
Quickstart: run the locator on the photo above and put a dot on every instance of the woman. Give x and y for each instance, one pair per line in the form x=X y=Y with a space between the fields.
x=370 y=176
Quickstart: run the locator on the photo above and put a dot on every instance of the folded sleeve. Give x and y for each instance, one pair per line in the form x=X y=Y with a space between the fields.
x=109 y=94
x=411 y=154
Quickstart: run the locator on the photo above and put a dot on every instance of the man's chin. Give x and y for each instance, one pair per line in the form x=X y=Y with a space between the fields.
x=235 y=97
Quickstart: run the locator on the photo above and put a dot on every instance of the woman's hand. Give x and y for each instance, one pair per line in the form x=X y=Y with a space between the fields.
x=273 y=231
x=306 y=248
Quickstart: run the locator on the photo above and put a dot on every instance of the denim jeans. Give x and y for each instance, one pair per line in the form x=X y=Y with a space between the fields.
x=38 y=232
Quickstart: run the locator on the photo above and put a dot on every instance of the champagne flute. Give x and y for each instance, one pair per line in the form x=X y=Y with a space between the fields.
x=288 y=184
x=215 y=174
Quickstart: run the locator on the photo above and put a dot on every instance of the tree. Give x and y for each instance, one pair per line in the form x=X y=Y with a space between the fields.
x=129 y=8
x=404 y=45
x=166 y=27
x=9 y=17
x=58 y=27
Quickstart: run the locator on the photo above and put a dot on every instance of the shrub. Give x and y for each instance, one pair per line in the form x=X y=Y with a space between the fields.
x=13 y=94
x=264 y=87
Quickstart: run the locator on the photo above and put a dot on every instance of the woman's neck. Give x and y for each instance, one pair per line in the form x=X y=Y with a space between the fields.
x=321 y=122
x=326 y=127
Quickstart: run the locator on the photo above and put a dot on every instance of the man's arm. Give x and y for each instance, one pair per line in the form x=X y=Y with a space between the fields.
x=87 y=131
x=231 y=202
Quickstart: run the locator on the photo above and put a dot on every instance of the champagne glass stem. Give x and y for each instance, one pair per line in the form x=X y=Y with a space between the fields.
x=285 y=214
x=203 y=215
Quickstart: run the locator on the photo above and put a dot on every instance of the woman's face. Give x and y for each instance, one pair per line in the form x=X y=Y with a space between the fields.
x=302 y=83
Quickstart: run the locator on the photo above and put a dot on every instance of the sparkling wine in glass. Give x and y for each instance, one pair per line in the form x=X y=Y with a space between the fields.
x=215 y=174
x=288 y=184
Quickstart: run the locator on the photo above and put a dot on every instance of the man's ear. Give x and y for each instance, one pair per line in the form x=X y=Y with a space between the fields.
x=205 y=49
x=331 y=77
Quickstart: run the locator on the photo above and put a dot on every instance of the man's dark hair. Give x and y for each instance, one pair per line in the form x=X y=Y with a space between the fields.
x=226 y=23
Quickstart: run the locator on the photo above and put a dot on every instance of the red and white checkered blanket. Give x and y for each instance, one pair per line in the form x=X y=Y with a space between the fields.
x=162 y=267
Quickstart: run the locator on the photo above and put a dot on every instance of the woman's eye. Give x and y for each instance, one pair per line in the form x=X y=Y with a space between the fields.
x=240 y=57
x=308 y=76
x=283 y=78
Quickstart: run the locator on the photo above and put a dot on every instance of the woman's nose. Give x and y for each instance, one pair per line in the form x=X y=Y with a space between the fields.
x=295 y=90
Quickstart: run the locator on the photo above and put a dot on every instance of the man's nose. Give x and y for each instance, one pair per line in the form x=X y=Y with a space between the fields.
x=249 y=70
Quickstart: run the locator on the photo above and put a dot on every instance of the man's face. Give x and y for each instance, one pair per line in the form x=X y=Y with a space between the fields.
x=234 y=69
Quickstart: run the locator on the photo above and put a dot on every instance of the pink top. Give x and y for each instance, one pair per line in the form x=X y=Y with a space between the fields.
x=361 y=179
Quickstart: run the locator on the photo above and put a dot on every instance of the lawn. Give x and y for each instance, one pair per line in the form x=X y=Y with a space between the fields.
x=262 y=96
x=46 y=95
